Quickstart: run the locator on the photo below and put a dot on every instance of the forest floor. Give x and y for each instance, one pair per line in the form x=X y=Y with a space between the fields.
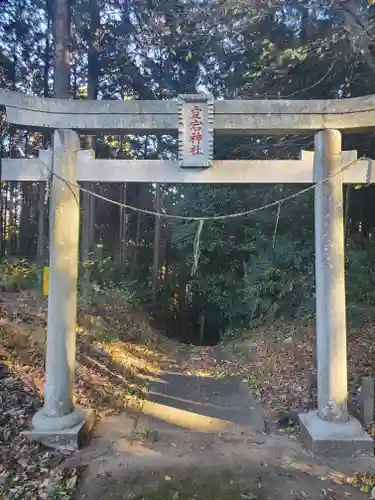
x=120 y=358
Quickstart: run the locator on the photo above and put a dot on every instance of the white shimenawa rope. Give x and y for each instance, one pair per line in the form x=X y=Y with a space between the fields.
x=196 y=248
x=202 y=219
x=213 y=217
x=276 y=225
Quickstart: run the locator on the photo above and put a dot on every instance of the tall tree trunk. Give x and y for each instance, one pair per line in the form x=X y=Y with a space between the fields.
x=75 y=79
x=26 y=229
x=41 y=225
x=88 y=201
x=2 y=212
x=62 y=60
x=9 y=228
x=157 y=230
x=11 y=211
x=42 y=186
x=137 y=233
x=6 y=213
x=12 y=224
x=93 y=68
x=2 y=221
x=139 y=197
x=123 y=229
x=156 y=253
x=346 y=215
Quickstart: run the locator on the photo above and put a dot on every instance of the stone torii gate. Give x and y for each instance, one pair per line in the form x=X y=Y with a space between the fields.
x=327 y=431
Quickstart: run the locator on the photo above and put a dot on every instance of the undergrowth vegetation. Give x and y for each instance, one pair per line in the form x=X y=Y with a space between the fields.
x=19 y=274
x=274 y=282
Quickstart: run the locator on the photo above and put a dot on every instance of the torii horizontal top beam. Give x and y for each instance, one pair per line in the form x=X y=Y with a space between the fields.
x=259 y=117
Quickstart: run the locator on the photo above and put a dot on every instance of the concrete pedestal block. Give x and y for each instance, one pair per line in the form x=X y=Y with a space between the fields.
x=51 y=434
x=339 y=439
x=366 y=399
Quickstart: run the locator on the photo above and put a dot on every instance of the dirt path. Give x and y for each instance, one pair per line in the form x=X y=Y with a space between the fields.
x=135 y=456
x=199 y=437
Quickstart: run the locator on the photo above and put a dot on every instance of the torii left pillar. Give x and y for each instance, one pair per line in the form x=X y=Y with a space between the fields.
x=59 y=423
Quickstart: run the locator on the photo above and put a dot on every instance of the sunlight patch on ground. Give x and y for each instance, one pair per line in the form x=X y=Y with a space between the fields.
x=122 y=354
x=134 y=448
x=185 y=419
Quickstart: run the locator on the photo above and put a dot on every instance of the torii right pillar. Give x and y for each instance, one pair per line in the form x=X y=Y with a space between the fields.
x=330 y=430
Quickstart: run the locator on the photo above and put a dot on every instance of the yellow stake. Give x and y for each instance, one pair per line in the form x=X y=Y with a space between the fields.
x=45 y=281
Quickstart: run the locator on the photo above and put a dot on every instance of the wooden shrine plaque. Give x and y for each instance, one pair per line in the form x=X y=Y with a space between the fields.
x=195 y=131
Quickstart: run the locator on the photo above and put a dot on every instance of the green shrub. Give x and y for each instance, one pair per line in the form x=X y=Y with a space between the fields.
x=279 y=282
x=19 y=274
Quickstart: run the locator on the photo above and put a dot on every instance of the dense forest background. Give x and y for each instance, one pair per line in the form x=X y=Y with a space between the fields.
x=157 y=49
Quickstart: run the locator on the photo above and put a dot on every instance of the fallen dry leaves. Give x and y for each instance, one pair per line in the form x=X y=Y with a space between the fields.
x=279 y=363
x=281 y=369
x=27 y=470
x=109 y=376
x=280 y=366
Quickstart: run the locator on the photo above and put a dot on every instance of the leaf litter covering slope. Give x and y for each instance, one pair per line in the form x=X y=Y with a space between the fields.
x=280 y=365
x=110 y=376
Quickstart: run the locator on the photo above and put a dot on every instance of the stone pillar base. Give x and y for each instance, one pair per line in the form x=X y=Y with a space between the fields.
x=67 y=439
x=327 y=439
